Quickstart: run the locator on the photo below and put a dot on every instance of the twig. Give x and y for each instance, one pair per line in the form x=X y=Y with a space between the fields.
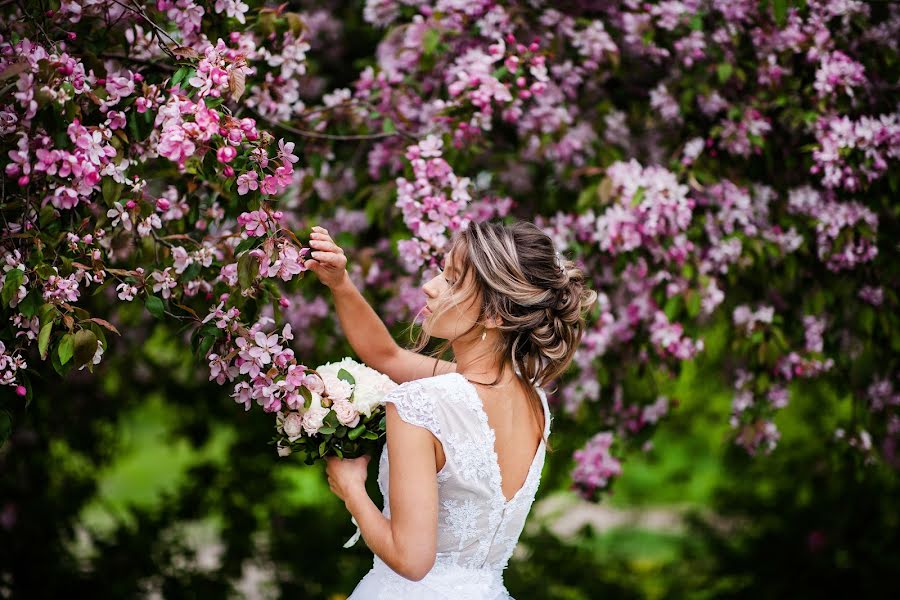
x=329 y=136
x=139 y=61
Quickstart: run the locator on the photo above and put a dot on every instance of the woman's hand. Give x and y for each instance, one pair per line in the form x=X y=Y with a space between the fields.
x=345 y=475
x=327 y=259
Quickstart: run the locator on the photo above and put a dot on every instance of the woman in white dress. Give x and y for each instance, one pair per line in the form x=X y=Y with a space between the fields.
x=465 y=439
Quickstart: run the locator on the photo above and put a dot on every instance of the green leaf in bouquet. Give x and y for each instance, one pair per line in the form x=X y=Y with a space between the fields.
x=307 y=397
x=327 y=430
x=338 y=452
x=369 y=435
x=340 y=431
x=356 y=432
x=322 y=447
x=345 y=375
x=331 y=420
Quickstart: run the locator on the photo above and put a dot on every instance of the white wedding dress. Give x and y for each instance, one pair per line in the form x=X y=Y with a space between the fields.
x=477 y=527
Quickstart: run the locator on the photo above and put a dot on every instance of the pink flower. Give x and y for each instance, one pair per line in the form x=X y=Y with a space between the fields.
x=247 y=181
x=226 y=154
x=346 y=413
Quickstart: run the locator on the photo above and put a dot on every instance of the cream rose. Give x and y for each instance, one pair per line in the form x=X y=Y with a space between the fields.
x=346 y=413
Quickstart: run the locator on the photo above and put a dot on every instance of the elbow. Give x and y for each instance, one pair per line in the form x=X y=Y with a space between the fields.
x=417 y=567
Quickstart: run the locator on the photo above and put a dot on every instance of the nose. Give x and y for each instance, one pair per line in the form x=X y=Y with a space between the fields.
x=429 y=289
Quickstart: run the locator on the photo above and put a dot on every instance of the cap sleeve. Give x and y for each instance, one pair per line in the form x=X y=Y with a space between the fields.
x=415 y=405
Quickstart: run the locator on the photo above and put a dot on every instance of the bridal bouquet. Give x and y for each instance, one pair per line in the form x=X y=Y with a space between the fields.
x=342 y=414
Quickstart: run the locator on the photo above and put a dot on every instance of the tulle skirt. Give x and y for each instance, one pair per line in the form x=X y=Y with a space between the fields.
x=443 y=582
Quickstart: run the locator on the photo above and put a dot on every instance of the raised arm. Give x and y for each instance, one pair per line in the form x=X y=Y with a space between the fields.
x=366 y=332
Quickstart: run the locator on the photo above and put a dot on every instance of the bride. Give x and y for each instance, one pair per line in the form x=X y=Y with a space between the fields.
x=465 y=439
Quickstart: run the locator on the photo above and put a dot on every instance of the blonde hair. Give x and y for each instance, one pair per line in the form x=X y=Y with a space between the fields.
x=538 y=296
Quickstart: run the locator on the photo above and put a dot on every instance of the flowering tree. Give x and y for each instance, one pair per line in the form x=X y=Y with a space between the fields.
x=701 y=159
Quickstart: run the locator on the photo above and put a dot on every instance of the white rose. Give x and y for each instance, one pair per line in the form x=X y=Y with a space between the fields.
x=312 y=419
x=371 y=387
x=346 y=414
x=336 y=389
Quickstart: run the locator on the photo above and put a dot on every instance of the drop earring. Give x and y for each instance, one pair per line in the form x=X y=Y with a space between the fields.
x=483 y=335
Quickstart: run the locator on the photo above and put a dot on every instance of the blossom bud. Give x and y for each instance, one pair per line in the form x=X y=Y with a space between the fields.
x=71 y=35
x=278 y=215
x=20 y=390
x=162 y=204
x=284 y=302
x=226 y=154
x=228 y=171
x=96 y=255
x=23 y=180
x=130 y=204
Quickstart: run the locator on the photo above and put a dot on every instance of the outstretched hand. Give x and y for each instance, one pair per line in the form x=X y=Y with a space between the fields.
x=327 y=260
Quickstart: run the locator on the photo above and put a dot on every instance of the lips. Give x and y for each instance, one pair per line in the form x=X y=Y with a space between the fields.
x=426 y=311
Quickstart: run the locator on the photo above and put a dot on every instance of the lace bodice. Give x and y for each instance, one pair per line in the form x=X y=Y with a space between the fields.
x=477 y=527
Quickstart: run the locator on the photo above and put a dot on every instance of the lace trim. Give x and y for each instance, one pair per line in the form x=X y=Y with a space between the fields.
x=415 y=406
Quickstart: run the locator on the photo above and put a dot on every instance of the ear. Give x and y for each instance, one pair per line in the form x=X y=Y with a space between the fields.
x=493 y=322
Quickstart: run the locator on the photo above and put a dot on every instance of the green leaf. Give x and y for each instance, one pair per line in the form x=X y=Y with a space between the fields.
x=44 y=339
x=345 y=375
x=779 y=8
x=66 y=348
x=245 y=245
x=327 y=430
x=430 y=42
x=322 y=447
x=388 y=126
x=724 y=71
x=178 y=77
x=307 y=398
x=155 y=306
x=191 y=272
x=30 y=304
x=638 y=196
x=356 y=432
x=369 y=435
x=248 y=269
x=338 y=452
x=11 y=285
x=341 y=431
x=85 y=346
x=331 y=419
x=111 y=190
x=205 y=344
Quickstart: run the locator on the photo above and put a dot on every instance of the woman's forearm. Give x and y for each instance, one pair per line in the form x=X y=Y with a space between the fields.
x=364 y=329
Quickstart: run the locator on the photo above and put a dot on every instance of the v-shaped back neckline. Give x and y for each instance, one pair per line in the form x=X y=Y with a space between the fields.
x=493 y=440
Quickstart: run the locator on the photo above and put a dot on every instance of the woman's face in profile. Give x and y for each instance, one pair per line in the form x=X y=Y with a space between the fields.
x=451 y=323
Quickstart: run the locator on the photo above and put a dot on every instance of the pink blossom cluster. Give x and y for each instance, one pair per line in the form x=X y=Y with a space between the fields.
x=595 y=466
x=755 y=430
x=263 y=364
x=853 y=153
x=745 y=136
x=11 y=362
x=433 y=204
x=838 y=72
x=651 y=210
x=846 y=232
